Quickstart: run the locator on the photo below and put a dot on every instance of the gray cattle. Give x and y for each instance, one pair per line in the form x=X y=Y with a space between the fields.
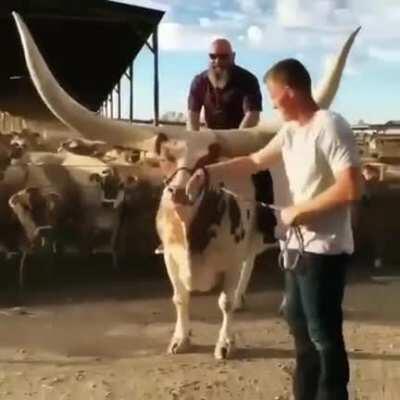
x=43 y=200
x=48 y=197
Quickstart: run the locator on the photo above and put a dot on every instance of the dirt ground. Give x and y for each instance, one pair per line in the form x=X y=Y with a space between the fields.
x=108 y=342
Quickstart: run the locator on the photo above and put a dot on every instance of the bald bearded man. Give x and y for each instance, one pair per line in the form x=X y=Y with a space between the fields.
x=230 y=95
x=231 y=98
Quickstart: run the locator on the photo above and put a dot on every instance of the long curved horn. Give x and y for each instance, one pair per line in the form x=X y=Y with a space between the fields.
x=241 y=142
x=326 y=91
x=70 y=112
x=91 y=126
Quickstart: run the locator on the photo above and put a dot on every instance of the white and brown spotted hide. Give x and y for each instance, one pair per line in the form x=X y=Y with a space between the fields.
x=215 y=239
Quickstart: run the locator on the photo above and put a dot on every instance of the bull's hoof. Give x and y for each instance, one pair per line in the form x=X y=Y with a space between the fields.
x=224 y=349
x=239 y=304
x=179 y=345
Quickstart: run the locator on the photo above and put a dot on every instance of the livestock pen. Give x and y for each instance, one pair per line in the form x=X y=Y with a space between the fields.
x=82 y=329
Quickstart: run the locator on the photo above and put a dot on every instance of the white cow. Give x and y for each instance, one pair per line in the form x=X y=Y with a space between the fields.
x=216 y=235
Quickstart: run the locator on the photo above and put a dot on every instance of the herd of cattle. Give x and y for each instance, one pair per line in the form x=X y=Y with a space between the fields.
x=84 y=184
x=74 y=193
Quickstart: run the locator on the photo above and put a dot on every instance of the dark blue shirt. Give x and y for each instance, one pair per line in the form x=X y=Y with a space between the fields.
x=225 y=108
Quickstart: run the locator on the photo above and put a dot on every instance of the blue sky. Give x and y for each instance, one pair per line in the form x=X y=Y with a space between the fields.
x=264 y=31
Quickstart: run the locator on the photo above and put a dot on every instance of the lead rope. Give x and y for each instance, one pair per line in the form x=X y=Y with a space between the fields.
x=284 y=261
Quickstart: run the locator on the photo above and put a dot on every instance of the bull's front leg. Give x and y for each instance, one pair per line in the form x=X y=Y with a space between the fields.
x=180 y=341
x=226 y=341
x=245 y=275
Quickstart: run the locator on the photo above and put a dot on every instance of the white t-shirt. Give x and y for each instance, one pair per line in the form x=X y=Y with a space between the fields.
x=313 y=154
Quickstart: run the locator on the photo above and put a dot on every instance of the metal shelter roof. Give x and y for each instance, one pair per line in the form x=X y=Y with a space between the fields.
x=88 y=45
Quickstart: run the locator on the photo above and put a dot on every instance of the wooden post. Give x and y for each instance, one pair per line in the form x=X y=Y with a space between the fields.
x=106 y=107
x=119 y=98
x=156 y=78
x=112 y=104
x=131 y=91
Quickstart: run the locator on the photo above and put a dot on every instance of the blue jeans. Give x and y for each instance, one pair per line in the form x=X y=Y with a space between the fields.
x=314 y=294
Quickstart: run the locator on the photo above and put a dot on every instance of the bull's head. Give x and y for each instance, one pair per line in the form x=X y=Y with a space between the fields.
x=26 y=140
x=179 y=151
x=39 y=213
x=14 y=145
x=112 y=187
x=11 y=148
x=179 y=159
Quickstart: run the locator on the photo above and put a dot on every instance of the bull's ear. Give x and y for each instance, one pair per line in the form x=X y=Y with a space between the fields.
x=214 y=150
x=160 y=139
x=94 y=177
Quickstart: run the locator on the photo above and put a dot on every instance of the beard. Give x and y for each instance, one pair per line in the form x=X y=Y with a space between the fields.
x=219 y=78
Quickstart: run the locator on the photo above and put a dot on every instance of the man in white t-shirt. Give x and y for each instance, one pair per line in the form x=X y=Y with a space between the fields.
x=322 y=166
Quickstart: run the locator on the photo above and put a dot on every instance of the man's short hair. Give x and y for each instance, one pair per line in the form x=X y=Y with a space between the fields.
x=292 y=73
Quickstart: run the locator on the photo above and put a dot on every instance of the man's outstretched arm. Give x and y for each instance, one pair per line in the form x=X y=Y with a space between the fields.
x=230 y=171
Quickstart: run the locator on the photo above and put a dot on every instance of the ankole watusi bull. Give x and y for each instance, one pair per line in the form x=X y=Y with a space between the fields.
x=216 y=236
